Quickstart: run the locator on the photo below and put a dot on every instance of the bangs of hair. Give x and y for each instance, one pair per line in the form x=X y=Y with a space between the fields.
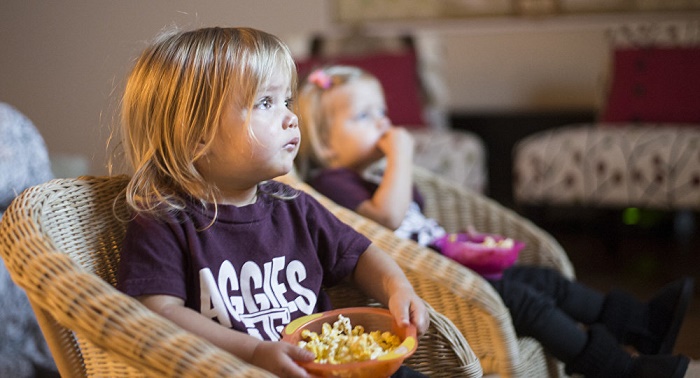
x=259 y=56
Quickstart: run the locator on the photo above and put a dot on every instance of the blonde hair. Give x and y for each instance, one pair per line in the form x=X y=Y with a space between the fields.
x=173 y=104
x=313 y=116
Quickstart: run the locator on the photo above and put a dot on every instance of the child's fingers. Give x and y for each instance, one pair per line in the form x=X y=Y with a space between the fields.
x=301 y=355
x=400 y=310
x=405 y=318
x=294 y=371
x=420 y=318
x=298 y=355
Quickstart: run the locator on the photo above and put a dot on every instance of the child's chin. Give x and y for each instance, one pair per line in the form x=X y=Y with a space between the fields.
x=284 y=171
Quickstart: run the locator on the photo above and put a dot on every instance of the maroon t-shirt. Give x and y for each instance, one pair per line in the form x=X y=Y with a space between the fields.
x=255 y=269
x=348 y=188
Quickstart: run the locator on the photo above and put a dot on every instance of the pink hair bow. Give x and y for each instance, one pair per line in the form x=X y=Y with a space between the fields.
x=321 y=79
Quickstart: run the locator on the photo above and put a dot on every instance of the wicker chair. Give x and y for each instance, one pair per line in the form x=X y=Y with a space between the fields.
x=468 y=300
x=60 y=242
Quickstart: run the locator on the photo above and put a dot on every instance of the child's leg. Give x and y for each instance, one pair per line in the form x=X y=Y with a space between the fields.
x=580 y=302
x=602 y=357
x=650 y=327
x=593 y=353
x=537 y=315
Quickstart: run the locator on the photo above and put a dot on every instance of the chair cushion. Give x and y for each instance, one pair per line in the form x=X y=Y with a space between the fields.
x=630 y=165
x=655 y=84
x=456 y=155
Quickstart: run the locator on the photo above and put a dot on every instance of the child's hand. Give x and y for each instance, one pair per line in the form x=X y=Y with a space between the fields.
x=279 y=358
x=396 y=142
x=408 y=308
x=378 y=275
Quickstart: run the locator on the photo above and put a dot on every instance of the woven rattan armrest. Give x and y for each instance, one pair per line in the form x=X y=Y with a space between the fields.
x=70 y=300
x=60 y=242
x=457 y=208
x=455 y=291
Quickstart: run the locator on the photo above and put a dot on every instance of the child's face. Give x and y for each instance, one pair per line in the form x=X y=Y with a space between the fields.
x=357 y=122
x=238 y=162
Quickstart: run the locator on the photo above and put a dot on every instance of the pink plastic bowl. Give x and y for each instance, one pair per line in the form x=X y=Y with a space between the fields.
x=468 y=250
x=372 y=319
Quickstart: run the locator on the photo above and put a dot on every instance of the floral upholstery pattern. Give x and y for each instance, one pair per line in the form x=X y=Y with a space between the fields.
x=616 y=165
x=458 y=156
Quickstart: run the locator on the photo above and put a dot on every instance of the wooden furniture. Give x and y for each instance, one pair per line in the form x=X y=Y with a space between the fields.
x=60 y=242
x=462 y=295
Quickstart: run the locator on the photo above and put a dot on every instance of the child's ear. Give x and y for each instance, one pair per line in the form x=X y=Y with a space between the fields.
x=200 y=148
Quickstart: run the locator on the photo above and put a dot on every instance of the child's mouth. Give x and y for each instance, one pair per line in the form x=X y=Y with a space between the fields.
x=292 y=144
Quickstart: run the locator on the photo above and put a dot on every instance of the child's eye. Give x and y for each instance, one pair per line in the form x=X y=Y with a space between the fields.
x=362 y=116
x=289 y=102
x=265 y=103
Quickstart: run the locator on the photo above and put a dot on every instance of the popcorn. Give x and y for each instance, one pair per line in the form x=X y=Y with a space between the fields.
x=489 y=241
x=342 y=343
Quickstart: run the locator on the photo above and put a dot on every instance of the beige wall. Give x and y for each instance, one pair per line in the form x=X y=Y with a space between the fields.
x=63 y=62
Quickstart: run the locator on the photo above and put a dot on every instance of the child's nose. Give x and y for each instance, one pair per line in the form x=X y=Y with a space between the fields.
x=291 y=122
x=383 y=123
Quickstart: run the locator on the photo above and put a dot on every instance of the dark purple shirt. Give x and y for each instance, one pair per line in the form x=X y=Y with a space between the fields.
x=349 y=189
x=255 y=269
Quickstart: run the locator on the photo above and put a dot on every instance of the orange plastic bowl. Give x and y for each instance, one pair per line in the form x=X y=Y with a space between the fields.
x=372 y=319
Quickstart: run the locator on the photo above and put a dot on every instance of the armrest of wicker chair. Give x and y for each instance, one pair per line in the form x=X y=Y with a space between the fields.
x=455 y=291
x=443 y=351
x=92 y=328
x=457 y=208
x=60 y=241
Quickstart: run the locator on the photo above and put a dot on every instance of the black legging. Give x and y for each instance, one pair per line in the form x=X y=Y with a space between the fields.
x=548 y=307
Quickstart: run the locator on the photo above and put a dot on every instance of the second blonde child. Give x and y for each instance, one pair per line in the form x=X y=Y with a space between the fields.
x=345 y=133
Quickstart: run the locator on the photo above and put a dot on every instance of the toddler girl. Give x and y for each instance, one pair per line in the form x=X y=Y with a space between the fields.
x=214 y=245
x=345 y=132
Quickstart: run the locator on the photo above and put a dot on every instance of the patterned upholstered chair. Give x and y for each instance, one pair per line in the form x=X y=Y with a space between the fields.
x=459 y=293
x=645 y=149
x=60 y=241
x=640 y=165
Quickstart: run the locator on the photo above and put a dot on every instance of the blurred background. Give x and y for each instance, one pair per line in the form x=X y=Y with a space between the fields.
x=501 y=69
x=63 y=63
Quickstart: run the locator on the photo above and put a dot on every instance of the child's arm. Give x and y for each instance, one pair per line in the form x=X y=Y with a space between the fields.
x=378 y=275
x=276 y=357
x=390 y=201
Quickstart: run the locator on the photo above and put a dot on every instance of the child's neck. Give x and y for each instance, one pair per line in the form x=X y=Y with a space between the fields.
x=239 y=198
x=359 y=168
